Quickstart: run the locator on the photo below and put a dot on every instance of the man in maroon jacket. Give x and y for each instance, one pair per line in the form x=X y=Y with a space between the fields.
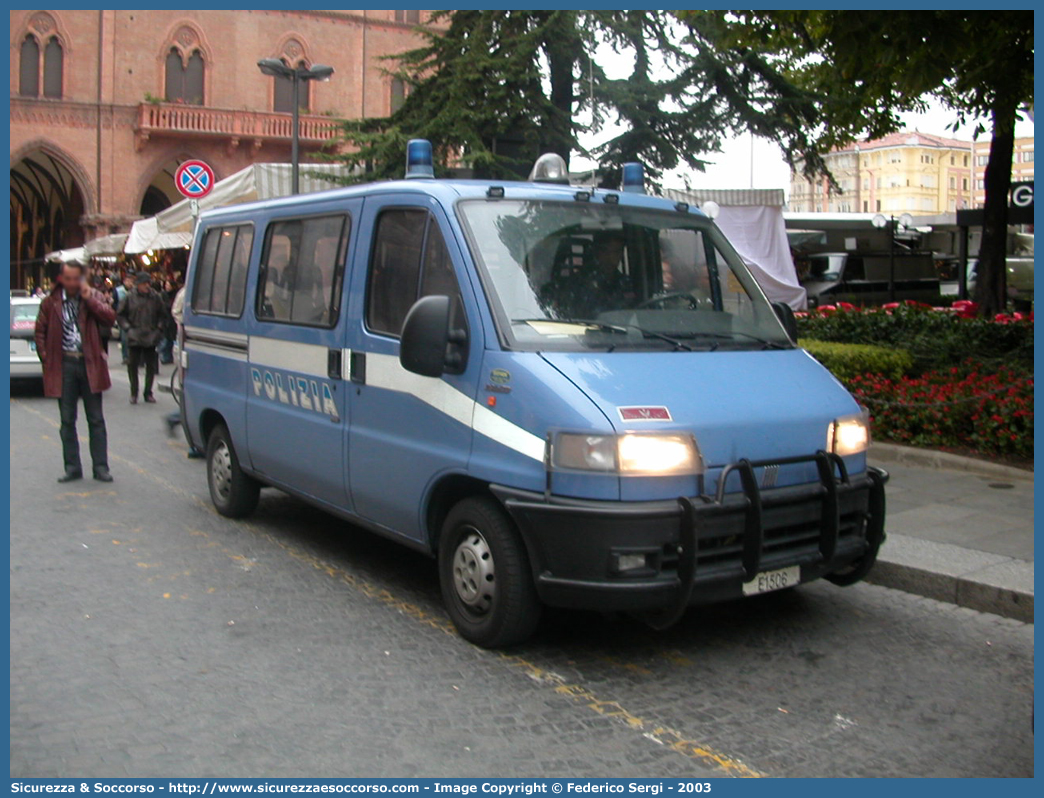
x=75 y=365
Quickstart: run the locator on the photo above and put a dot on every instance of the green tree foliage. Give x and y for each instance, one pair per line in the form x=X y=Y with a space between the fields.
x=854 y=72
x=492 y=90
x=664 y=122
x=477 y=91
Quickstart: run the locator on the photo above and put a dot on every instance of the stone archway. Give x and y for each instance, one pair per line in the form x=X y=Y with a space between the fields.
x=160 y=193
x=47 y=203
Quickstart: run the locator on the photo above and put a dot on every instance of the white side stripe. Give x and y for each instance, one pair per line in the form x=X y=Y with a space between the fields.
x=198 y=346
x=308 y=359
x=385 y=371
x=217 y=335
x=498 y=428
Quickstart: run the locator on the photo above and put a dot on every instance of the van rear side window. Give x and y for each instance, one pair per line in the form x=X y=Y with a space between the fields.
x=302 y=269
x=220 y=286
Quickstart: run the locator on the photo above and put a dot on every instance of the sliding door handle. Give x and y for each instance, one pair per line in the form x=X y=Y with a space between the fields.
x=357 y=367
x=333 y=364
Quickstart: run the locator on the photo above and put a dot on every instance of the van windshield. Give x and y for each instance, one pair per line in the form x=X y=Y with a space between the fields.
x=588 y=275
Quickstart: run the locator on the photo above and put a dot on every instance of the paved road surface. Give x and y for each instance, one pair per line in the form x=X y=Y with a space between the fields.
x=151 y=637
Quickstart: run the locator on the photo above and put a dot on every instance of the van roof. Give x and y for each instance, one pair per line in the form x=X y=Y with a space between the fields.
x=449 y=191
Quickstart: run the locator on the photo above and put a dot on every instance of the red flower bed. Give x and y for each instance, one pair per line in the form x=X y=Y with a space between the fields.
x=962 y=407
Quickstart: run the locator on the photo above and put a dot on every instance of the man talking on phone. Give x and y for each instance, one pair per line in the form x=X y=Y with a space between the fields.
x=75 y=366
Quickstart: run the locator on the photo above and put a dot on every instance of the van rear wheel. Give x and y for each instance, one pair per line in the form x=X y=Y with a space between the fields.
x=484 y=573
x=234 y=492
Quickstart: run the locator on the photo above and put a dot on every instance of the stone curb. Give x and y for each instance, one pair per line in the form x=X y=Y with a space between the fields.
x=968 y=578
x=929 y=458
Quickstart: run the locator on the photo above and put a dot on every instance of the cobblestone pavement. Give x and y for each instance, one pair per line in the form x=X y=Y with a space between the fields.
x=151 y=637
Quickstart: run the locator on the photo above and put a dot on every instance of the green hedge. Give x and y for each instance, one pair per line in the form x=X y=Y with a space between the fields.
x=847 y=361
x=934 y=339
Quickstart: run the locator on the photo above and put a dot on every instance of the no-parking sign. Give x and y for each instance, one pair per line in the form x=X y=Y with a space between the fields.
x=194 y=179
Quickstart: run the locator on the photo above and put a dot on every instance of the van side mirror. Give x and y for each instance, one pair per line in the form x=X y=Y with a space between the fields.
x=785 y=314
x=428 y=346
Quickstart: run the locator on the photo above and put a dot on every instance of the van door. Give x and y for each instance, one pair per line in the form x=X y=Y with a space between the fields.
x=297 y=405
x=406 y=429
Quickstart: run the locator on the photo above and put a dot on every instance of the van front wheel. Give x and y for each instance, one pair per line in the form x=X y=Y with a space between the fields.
x=235 y=493
x=484 y=573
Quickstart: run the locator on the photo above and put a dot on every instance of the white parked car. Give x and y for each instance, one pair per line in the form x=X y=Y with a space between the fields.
x=25 y=364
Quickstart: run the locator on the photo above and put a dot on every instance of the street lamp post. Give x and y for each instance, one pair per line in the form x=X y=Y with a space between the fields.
x=893 y=224
x=277 y=69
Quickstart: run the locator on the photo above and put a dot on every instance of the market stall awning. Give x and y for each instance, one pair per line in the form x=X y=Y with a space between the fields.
x=111 y=244
x=145 y=235
x=76 y=255
x=172 y=227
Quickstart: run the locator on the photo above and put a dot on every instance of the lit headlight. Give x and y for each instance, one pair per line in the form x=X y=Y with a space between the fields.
x=630 y=454
x=658 y=454
x=849 y=434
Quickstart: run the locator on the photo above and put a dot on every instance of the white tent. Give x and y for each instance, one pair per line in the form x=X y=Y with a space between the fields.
x=76 y=255
x=145 y=235
x=111 y=244
x=752 y=220
x=172 y=228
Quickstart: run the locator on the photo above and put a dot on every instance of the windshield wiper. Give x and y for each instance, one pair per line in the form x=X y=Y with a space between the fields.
x=725 y=336
x=617 y=328
x=766 y=343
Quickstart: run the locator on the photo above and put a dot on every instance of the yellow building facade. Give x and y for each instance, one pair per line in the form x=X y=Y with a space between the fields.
x=915 y=173
x=1021 y=165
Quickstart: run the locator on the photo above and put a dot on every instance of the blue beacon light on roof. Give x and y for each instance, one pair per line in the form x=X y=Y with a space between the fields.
x=633 y=178
x=418 y=159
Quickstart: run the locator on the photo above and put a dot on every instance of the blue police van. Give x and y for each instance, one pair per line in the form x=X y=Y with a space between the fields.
x=570 y=397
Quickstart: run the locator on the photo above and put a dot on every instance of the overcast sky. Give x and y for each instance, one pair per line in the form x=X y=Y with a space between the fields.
x=731 y=168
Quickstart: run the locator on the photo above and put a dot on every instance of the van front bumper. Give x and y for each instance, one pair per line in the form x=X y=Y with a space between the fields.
x=663 y=556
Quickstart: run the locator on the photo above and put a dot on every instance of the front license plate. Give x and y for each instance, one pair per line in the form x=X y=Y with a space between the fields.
x=767 y=581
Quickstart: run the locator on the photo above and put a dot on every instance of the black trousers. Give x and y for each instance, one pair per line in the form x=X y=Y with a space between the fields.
x=137 y=356
x=75 y=387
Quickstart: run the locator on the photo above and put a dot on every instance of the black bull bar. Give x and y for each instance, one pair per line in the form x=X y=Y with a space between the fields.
x=832 y=527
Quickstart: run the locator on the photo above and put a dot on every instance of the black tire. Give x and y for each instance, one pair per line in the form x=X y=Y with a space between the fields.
x=854 y=572
x=175 y=385
x=235 y=494
x=503 y=608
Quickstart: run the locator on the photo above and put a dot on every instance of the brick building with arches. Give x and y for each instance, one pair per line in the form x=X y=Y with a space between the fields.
x=106 y=104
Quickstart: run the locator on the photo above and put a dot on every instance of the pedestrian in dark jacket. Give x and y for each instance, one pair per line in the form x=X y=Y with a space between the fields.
x=170 y=334
x=75 y=367
x=143 y=317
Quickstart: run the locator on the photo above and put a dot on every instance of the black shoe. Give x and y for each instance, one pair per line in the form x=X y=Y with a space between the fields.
x=150 y=398
x=195 y=454
x=71 y=476
x=102 y=475
x=134 y=400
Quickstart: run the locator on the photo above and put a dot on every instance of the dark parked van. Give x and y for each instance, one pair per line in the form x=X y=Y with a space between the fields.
x=862 y=278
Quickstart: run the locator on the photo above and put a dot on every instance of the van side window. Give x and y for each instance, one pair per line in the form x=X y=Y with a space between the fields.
x=437 y=275
x=410 y=260
x=394 y=268
x=221 y=271
x=302 y=268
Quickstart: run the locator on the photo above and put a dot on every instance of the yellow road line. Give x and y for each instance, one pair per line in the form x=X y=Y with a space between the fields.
x=662 y=735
